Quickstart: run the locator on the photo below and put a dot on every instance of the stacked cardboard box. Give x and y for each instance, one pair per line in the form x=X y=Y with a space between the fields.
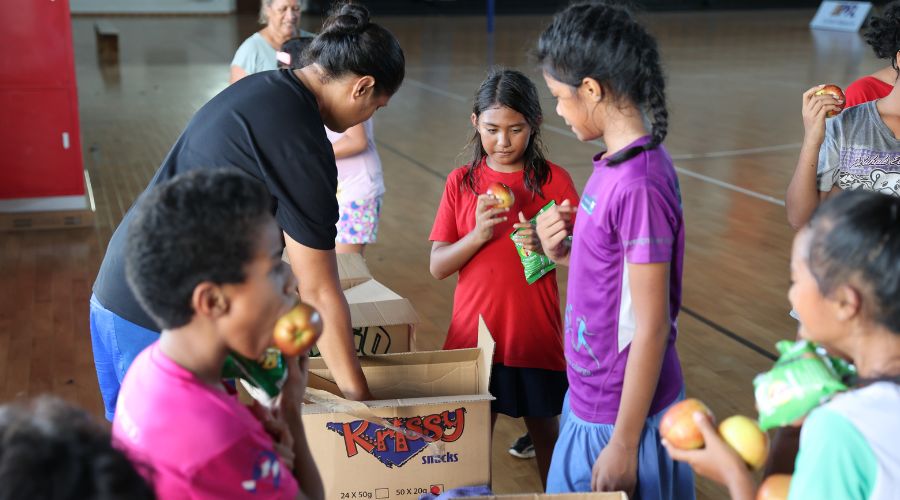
x=383 y=322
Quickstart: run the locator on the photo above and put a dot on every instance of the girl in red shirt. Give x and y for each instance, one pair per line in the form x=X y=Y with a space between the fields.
x=471 y=235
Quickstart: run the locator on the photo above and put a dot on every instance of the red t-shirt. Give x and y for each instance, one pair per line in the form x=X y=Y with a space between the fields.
x=523 y=319
x=865 y=89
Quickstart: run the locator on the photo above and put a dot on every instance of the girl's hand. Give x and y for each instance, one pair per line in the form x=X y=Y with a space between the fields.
x=615 y=469
x=486 y=217
x=553 y=227
x=716 y=460
x=282 y=440
x=527 y=235
x=815 y=108
x=294 y=388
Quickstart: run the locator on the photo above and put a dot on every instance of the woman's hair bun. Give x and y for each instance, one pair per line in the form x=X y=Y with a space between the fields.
x=347 y=19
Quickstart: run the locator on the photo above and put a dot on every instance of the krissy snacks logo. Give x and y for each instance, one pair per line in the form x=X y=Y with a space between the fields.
x=393 y=448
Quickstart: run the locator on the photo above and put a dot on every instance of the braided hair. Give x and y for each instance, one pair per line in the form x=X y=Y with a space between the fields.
x=605 y=42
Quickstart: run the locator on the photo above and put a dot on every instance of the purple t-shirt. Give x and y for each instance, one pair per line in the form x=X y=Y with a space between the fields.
x=629 y=213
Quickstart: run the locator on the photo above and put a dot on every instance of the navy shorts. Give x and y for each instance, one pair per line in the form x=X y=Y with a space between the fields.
x=527 y=392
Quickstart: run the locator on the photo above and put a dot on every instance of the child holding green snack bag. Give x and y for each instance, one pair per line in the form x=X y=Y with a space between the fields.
x=471 y=236
x=845 y=287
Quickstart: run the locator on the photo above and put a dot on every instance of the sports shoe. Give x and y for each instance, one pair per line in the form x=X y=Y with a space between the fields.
x=522 y=448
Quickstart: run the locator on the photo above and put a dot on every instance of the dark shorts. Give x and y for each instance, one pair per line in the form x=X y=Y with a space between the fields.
x=527 y=392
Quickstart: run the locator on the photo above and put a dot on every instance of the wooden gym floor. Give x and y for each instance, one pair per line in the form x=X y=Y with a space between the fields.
x=734 y=86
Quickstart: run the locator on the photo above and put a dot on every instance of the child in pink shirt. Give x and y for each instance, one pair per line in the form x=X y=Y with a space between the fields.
x=204 y=259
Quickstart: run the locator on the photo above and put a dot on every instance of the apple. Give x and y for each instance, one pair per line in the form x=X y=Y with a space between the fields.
x=775 y=487
x=837 y=93
x=743 y=434
x=297 y=331
x=678 y=427
x=503 y=193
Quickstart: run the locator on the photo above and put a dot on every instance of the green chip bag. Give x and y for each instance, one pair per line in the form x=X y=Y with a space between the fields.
x=800 y=380
x=536 y=264
x=262 y=378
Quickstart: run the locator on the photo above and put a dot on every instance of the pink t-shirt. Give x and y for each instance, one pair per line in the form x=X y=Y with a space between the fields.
x=198 y=442
x=359 y=176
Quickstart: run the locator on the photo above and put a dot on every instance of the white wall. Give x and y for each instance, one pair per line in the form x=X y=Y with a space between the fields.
x=152 y=6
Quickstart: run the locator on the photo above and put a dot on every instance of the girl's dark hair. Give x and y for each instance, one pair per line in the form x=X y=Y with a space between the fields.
x=855 y=239
x=51 y=449
x=883 y=33
x=510 y=88
x=295 y=47
x=350 y=43
x=606 y=43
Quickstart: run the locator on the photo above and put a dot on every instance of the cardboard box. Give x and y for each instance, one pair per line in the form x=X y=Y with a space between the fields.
x=352 y=269
x=383 y=322
x=430 y=430
x=564 y=496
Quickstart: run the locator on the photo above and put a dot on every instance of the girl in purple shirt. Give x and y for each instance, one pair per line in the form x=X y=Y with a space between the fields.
x=625 y=253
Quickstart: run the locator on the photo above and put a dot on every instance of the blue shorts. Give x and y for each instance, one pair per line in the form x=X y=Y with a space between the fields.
x=116 y=342
x=580 y=442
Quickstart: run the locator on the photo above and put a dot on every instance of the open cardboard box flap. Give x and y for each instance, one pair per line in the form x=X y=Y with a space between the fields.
x=404 y=379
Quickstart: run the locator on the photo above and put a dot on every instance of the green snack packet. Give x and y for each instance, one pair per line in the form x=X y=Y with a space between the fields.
x=262 y=378
x=536 y=264
x=800 y=380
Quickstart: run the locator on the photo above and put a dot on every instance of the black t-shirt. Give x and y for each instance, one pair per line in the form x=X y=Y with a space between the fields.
x=268 y=125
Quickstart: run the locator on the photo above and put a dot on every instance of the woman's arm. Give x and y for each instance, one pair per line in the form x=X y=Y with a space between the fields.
x=237 y=73
x=616 y=466
x=316 y=272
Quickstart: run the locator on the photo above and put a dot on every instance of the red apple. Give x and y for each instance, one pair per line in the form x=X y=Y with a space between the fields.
x=503 y=193
x=743 y=434
x=678 y=426
x=837 y=93
x=297 y=331
x=775 y=487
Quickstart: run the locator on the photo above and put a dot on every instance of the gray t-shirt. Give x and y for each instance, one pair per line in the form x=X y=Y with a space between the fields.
x=255 y=55
x=860 y=152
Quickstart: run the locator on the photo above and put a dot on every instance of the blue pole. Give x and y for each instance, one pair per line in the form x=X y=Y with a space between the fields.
x=490 y=16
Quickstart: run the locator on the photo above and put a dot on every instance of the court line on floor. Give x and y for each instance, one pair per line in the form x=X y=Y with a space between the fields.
x=681 y=170
x=703 y=319
x=730 y=334
x=737 y=152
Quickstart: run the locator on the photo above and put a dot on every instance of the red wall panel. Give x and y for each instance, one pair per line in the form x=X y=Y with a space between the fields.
x=38 y=102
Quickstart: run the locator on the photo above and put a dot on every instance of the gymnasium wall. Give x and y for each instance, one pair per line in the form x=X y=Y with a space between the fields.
x=152 y=6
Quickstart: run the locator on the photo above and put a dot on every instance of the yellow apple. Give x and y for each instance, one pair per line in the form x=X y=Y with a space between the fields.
x=743 y=434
